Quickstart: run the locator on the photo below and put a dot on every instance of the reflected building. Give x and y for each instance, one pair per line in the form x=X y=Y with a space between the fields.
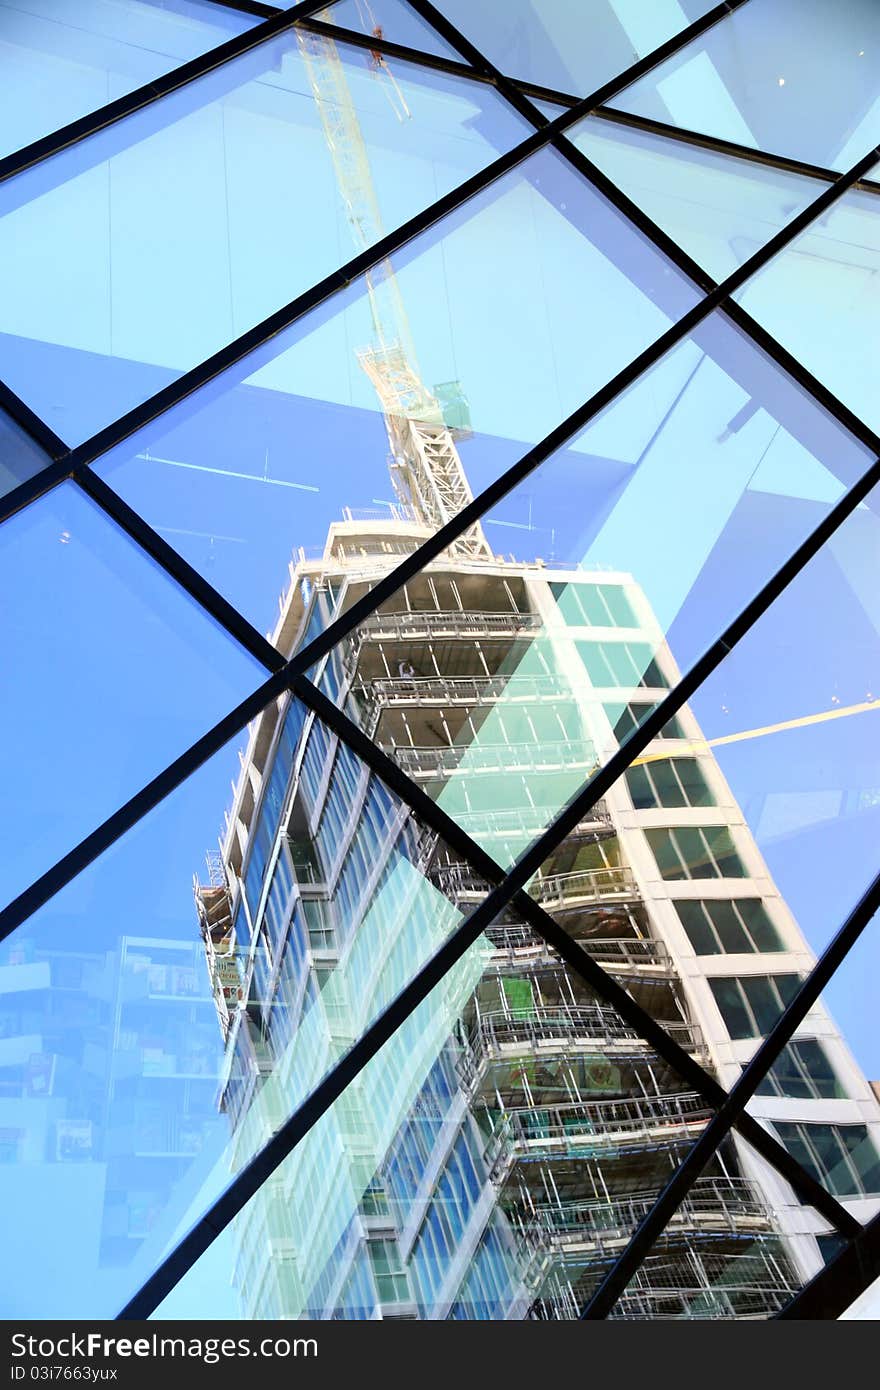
x=495 y=1157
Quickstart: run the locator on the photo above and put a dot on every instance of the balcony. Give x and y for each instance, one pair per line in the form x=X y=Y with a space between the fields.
x=451 y=691
x=756 y=1284
x=562 y=892
x=582 y=1231
x=547 y=1030
x=499 y=757
x=620 y=955
x=435 y=625
x=585 y=1128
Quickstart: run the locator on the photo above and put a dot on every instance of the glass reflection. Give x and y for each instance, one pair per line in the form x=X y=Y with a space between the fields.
x=488 y=1163
x=796 y=78
x=817 y=296
x=451 y=356
x=141 y=251
x=95 y=636
x=719 y=209
x=508 y=669
x=573 y=48
x=60 y=60
x=149 y=1046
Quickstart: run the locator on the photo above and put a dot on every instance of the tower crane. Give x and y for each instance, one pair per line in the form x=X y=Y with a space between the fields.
x=426 y=469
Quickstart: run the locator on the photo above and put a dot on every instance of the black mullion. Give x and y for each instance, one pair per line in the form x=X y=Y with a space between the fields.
x=835 y=1287
x=114 y=111
x=179 y=570
x=256 y=7
x=617 y=1278
x=689 y=1070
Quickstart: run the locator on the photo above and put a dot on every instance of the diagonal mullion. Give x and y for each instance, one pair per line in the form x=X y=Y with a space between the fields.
x=733 y=1108
x=432 y=814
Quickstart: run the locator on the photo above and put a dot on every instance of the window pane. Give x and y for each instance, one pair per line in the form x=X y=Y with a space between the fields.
x=691 y=776
x=818 y=298
x=574 y=48
x=640 y=789
x=727 y=923
x=20 y=458
x=60 y=60
x=264 y=459
x=763 y=932
x=665 y=852
x=863 y=1155
x=764 y=1001
x=808 y=87
x=814 y=1061
x=699 y=930
x=147 y=1053
x=117 y=672
x=729 y=998
x=144 y=250
x=669 y=792
x=719 y=209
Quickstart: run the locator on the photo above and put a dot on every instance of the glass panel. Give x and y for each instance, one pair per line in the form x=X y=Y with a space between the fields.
x=116 y=673
x=489 y=1163
x=389 y=19
x=475 y=676
x=719 y=209
x=749 y=1264
x=488 y=360
x=818 y=297
x=794 y=77
x=145 y=249
x=60 y=59
x=574 y=48
x=20 y=457
x=147 y=1049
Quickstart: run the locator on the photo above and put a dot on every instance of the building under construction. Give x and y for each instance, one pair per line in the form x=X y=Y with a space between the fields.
x=503 y=1156
x=497 y=1155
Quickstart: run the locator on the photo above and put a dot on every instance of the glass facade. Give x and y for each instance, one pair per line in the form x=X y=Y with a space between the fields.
x=495 y=504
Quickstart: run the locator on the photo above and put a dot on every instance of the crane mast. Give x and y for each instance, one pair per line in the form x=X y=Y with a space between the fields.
x=426 y=469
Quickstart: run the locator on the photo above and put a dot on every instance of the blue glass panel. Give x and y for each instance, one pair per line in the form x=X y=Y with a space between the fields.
x=117 y=672
x=144 y=249
x=60 y=59
x=574 y=48
x=20 y=458
x=719 y=209
x=793 y=77
x=819 y=298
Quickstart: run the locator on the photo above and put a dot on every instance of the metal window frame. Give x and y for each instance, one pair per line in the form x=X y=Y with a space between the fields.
x=861 y=1256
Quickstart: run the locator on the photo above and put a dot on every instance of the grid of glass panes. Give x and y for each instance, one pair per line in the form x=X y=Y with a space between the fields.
x=208 y=381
